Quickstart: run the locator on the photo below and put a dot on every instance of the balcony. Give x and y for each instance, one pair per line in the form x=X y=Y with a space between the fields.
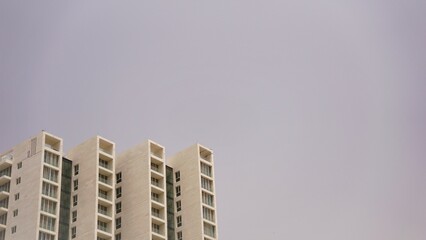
x=5 y=187
x=4 y=205
x=156 y=150
x=105 y=228
x=156 y=213
x=157 y=196
x=156 y=167
x=3 y=219
x=207 y=184
x=106 y=147
x=51 y=159
x=106 y=163
x=106 y=179
x=209 y=214
x=157 y=182
x=5 y=175
x=6 y=161
x=156 y=236
x=157 y=228
x=52 y=143
x=103 y=236
x=206 y=169
x=207 y=198
x=105 y=195
x=209 y=230
x=205 y=154
x=3 y=226
x=104 y=211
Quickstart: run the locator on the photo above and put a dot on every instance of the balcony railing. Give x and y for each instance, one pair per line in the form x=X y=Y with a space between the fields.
x=6 y=172
x=4 y=203
x=103 y=210
x=104 y=164
x=156 y=228
x=5 y=187
x=155 y=167
x=103 y=226
x=3 y=219
x=104 y=194
x=156 y=182
x=104 y=179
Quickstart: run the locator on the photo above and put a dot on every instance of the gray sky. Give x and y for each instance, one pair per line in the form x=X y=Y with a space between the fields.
x=315 y=109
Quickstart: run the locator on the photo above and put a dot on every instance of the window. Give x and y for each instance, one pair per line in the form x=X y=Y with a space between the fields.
x=155 y=212
x=118 y=223
x=19 y=165
x=103 y=194
x=118 y=207
x=178 y=206
x=17 y=196
x=49 y=189
x=102 y=226
x=15 y=212
x=207 y=199
x=51 y=159
x=208 y=214
x=102 y=209
x=177 y=176
x=179 y=221
x=207 y=184
x=18 y=180
x=76 y=169
x=155 y=182
x=118 y=192
x=13 y=229
x=50 y=174
x=48 y=206
x=209 y=230
x=103 y=163
x=3 y=219
x=74 y=216
x=206 y=169
x=73 y=232
x=118 y=177
x=155 y=197
x=118 y=236
x=75 y=184
x=179 y=235
x=103 y=178
x=6 y=172
x=74 y=200
x=177 y=191
x=47 y=222
x=156 y=228
x=155 y=167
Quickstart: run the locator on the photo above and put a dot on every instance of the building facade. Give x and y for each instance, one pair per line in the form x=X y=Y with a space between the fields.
x=89 y=193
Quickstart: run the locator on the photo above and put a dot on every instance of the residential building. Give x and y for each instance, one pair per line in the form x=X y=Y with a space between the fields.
x=30 y=183
x=142 y=172
x=92 y=200
x=89 y=193
x=195 y=198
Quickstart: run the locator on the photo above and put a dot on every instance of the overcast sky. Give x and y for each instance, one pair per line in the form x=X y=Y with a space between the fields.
x=315 y=110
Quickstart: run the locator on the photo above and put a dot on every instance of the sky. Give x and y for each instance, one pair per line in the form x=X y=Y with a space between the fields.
x=315 y=110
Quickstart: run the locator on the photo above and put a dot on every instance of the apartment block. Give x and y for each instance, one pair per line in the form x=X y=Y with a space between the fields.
x=93 y=190
x=195 y=199
x=141 y=181
x=90 y=194
x=30 y=189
